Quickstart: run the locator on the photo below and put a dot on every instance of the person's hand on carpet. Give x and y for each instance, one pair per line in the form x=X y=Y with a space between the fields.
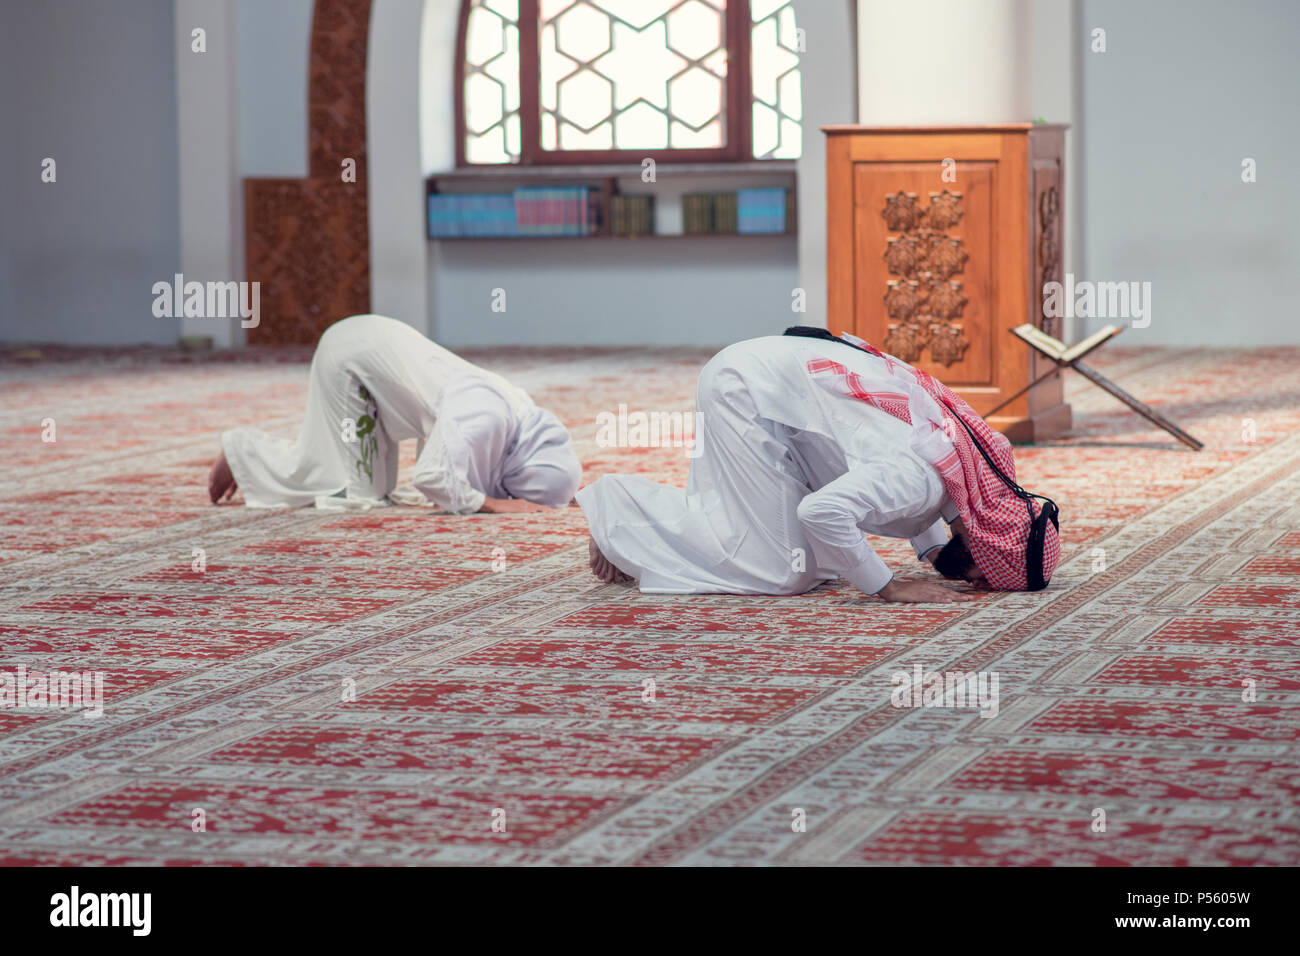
x=510 y=506
x=604 y=568
x=922 y=592
x=221 y=483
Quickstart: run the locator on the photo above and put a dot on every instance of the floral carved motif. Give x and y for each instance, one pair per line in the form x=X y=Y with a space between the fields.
x=902 y=299
x=947 y=344
x=945 y=257
x=901 y=212
x=945 y=210
x=925 y=300
x=907 y=341
x=944 y=300
x=904 y=256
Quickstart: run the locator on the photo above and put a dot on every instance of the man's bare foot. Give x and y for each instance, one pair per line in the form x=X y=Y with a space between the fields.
x=221 y=483
x=603 y=568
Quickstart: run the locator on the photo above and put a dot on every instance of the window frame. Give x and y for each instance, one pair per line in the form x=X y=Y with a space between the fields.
x=738 y=102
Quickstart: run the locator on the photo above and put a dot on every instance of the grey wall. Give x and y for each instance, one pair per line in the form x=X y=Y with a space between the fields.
x=1185 y=91
x=829 y=76
x=92 y=85
x=8 y=41
x=272 y=47
x=680 y=291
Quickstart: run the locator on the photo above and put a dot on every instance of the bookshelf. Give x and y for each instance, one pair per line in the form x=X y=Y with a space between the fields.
x=750 y=185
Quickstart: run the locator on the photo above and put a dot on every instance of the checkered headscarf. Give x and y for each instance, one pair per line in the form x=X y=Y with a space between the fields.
x=997 y=521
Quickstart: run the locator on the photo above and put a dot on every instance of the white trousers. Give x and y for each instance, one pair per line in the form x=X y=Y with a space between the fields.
x=342 y=453
x=734 y=530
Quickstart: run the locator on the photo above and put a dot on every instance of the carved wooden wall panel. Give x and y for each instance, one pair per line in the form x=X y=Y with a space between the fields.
x=308 y=240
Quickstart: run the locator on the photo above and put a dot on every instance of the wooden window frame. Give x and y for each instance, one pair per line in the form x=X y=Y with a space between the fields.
x=737 y=99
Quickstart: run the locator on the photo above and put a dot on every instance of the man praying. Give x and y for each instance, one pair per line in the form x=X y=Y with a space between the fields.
x=375 y=381
x=804 y=442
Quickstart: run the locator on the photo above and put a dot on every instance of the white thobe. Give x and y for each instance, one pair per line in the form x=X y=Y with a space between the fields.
x=375 y=382
x=787 y=477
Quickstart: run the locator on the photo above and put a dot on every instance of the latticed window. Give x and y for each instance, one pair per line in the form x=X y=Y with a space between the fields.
x=563 y=81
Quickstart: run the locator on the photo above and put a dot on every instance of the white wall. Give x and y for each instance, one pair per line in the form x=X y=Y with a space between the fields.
x=272 y=48
x=114 y=94
x=211 y=202
x=91 y=85
x=687 y=291
x=940 y=62
x=1184 y=92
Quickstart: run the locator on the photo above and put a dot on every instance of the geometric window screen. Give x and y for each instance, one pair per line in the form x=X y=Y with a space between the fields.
x=633 y=74
x=649 y=76
x=491 y=92
x=774 y=72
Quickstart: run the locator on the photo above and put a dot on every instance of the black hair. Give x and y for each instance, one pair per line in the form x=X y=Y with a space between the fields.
x=954 y=559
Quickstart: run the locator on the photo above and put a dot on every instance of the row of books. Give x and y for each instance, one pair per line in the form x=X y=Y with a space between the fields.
x=745 y=211
x=528 y=211
x=572 y=211
x=554 y=210
x=633 y=215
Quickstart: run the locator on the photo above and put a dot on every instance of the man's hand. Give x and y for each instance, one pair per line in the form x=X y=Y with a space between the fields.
x=921 y=592
x=510 y=506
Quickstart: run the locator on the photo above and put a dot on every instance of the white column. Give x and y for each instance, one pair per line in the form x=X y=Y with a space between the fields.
x=437 y=126
x=827 y=77
x=398 y=248
x=211 y=207
x=941 y=62
x=1055 y=42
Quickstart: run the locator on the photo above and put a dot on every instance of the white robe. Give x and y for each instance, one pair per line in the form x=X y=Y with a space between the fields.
x=788 y=476
x=376 y=381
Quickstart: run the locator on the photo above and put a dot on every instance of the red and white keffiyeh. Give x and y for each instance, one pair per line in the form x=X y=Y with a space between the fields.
x=997 y=521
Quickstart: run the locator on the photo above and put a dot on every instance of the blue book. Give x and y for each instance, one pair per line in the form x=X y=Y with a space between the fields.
x=442 y=216
x=456 y=215
x=760 y=211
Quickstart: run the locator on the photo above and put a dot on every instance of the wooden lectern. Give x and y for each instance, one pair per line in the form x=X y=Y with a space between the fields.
x=939 y=241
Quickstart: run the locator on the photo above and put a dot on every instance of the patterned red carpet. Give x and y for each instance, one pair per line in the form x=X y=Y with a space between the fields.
x=407 y=687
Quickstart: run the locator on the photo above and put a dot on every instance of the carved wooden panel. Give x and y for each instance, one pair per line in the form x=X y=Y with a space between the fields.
x=308 y=240
x=1049 y=248
x=938 y=242
x=1047 y=251
x=924 y=268
x=309 y=245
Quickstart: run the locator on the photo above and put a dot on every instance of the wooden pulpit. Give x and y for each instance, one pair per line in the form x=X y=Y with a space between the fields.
x=939 y=242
